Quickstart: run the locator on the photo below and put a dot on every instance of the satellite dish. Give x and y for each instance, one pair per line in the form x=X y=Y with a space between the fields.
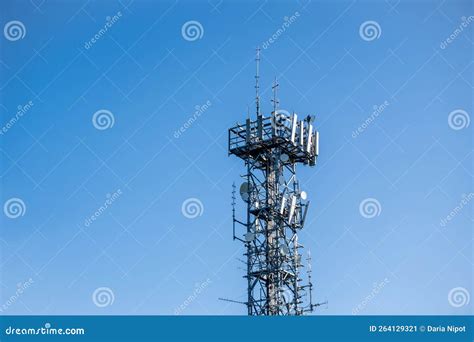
x=284 y=250
x=303 y=195
x=245 y=190
x=249 y=237
x=284 y=158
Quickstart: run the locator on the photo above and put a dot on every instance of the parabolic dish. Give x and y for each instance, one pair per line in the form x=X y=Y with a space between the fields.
x=249 y=237
x=245 y=190
x=284 y=249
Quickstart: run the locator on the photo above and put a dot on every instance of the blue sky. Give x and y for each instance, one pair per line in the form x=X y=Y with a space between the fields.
x=414 y=157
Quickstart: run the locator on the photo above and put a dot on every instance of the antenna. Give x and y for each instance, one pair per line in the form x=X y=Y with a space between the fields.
x=232 y=301
x=275 y=99
x=310 y=285
x=233 y=210
x=233 y=197
x=310 y=270
x=257 y=78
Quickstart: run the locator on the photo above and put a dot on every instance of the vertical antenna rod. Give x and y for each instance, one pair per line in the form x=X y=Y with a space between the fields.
x=233 y=210
x=257 y=77
x=275 y=99
x=310 y=270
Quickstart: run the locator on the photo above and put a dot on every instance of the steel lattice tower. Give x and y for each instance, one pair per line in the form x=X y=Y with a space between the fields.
x=271 y=147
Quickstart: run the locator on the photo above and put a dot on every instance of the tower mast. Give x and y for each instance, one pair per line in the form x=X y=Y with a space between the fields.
x=276 y=206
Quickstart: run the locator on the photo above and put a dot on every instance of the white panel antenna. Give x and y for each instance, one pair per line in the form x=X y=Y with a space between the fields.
x=292 y=209
x=282 y=206
x=294 y=126
x=301 y=133
x=316 y=143
x=310 y=136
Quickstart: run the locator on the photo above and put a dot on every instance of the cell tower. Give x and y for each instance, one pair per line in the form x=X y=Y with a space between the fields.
x=271 y=147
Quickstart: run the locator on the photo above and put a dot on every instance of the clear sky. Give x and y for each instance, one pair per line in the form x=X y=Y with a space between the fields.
x=165 y=95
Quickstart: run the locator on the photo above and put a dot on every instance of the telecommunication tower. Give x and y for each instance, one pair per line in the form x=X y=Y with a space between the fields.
x=271 y=147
